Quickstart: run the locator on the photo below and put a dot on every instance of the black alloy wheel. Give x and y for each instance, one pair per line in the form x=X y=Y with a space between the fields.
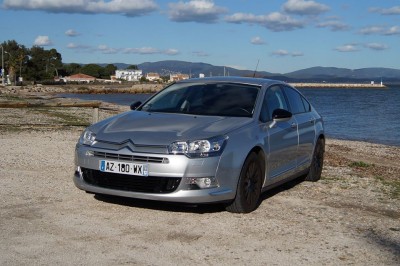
x=314 y=174
x=249 y=186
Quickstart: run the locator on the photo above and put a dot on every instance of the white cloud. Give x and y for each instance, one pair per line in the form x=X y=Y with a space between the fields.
x=107 y=50
x=125 y=7
x=347 y=48
x=71 y=33
x=171 y=52
x=257 y=41
x=334 y=25
x=296 y=54
x=302 y=7
x=372 y=30
x=202 y=11
x=72 y=45
x=280 y=52
x=386 y=11
x=394 y=30
x=142 y=50
x=82 y=47
x=380 y=30
x=42 y=41
x=376 y=46
x=274 y=21
x=150 y=50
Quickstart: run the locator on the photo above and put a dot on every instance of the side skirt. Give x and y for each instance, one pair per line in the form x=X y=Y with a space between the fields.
x=290 y=178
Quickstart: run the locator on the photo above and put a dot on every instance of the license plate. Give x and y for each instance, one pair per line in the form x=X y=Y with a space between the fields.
x=124 y=168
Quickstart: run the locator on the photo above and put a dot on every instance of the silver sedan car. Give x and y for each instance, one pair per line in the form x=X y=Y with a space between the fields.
x=222 y=139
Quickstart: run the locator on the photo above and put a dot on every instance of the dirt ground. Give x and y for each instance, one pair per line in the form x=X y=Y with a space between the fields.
x=351 y=216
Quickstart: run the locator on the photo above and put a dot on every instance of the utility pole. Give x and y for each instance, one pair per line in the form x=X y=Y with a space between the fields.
x=2 y=65
x=21 y=57
x=15 y=74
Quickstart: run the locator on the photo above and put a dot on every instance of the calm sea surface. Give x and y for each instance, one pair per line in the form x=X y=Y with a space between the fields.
x=371 y=115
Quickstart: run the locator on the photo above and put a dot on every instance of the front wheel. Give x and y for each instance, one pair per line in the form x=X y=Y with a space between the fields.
x=317 y=162
x=249 y=186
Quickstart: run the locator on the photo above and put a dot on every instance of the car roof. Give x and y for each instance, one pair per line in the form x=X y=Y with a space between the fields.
x=242 y=80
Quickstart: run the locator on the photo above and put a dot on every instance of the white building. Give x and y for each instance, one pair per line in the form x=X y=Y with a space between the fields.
x=177 y=77
x=152 y=76
x=129 y=74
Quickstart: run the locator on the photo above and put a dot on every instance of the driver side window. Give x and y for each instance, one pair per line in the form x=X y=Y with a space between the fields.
x=273 y=99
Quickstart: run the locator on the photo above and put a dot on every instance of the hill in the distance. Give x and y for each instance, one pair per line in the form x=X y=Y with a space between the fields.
x=313 y=74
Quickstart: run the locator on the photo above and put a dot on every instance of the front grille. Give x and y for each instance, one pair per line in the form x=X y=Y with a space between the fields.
x=148 y=184
x=134 y=158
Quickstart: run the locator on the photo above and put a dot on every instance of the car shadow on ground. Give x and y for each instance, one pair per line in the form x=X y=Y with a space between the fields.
x=283 y=187
x=188 y=208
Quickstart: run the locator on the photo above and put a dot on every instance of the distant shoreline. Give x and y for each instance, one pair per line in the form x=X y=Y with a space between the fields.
x=339 y=85
x=149 y=88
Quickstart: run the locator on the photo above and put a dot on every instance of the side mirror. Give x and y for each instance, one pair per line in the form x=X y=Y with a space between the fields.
x=135 y=105
x=280 y=115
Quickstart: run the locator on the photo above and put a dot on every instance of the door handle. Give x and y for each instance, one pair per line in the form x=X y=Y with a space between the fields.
x=312 y=120
x=293 y=125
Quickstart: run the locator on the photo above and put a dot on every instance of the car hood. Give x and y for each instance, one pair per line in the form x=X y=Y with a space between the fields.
x=163 y=128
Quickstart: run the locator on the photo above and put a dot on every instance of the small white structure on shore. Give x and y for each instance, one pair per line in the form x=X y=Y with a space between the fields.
x=177 y=77
x=129 y=74
x=80 y=78
x=151 y=76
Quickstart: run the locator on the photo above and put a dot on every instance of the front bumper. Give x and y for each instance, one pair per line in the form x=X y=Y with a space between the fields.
x=177 y=168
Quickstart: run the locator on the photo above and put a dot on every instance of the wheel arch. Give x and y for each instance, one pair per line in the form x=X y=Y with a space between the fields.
x=320 y=136
x=261 y=154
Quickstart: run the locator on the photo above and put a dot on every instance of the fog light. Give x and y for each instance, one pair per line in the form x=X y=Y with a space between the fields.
x=89 y=153
x=201 y=182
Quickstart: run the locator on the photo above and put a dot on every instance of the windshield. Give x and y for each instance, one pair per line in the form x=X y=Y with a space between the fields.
x=215 y=99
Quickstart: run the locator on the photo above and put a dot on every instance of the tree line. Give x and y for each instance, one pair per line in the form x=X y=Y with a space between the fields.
x=36 y=64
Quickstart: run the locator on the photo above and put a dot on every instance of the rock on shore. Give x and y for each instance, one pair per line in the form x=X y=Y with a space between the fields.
x=81 y=88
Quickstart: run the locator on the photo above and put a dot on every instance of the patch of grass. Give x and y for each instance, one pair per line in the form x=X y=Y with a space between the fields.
x=393 y=185
x=63 y=117
x=359 y=164
x=10 y=128
x=11 y=98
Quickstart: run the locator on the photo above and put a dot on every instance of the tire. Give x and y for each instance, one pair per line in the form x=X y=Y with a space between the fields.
x=249 y=186
x=317 y=162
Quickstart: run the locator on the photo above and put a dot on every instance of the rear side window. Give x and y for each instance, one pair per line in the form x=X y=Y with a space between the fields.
x=307 y=105
x=274 y=99
x=296 y=101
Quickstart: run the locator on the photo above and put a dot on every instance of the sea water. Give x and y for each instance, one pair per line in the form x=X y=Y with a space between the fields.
x=371 y=115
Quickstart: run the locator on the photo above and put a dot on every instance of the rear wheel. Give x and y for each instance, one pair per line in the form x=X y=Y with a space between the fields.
x=249 y=186
x=317 y=162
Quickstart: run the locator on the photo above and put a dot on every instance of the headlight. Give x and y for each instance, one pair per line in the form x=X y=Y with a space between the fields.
x=199 y=148
x=88 y=138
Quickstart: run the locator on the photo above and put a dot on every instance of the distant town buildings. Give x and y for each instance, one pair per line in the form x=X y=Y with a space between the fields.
x=153 y=76
x=125 y=74
x=80 y=78
x=177 y=77
x=129 y=74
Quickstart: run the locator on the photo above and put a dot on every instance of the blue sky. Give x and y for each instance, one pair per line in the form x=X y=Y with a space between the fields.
x=284 y=35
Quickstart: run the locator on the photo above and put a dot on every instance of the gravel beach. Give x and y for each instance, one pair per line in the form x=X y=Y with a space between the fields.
x=351 y=216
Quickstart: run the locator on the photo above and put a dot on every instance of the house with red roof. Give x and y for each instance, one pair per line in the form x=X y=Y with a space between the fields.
x=81 y=78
